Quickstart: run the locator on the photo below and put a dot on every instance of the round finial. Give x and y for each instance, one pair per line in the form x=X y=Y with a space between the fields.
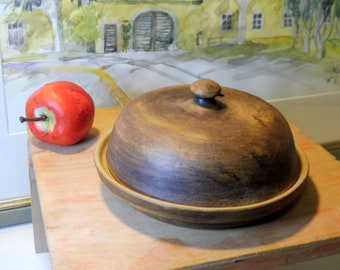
x=205 y=88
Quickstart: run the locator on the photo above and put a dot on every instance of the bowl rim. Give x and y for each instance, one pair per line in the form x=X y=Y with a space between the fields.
x=110 y=179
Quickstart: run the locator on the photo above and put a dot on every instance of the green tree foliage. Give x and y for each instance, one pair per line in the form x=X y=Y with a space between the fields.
x=126 y=29
x=337 y=16
x=312 y=17
x=294 y=7
x=83 y=25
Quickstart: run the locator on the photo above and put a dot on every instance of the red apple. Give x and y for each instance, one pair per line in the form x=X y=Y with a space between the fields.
x=60 y=113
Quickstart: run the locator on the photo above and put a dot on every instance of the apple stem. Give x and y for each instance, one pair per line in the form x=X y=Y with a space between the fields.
x=42 y=117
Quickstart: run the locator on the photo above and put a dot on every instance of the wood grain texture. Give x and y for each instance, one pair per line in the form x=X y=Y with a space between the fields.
x=87 y=227
x=239 y=152
x=197 y=216
x=40 y=241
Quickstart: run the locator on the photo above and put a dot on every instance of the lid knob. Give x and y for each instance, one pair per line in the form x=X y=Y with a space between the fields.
x=205 y=88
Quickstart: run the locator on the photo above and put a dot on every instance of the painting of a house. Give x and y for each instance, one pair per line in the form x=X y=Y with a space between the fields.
x=107 y=26
x=172 y=41
x=284 y=51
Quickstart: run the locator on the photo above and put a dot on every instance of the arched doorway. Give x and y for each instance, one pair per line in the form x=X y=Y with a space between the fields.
x=153 y=31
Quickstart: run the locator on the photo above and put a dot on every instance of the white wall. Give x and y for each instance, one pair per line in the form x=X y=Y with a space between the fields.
x=13 y=155
x=317 y=115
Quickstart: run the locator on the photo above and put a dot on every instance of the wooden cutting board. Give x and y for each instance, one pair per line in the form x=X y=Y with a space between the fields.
x=87 y=227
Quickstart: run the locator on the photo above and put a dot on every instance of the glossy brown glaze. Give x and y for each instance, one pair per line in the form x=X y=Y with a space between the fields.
x=231 y=150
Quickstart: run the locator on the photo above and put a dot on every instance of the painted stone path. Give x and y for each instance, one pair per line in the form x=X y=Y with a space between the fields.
x=113 y=80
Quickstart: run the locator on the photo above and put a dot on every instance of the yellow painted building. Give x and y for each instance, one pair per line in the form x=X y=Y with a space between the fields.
x=151 y=25
x=184 y=24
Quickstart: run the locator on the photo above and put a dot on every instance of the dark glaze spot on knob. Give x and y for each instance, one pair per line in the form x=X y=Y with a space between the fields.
x=205 y=88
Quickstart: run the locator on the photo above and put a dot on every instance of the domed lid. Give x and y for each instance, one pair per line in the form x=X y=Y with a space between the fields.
x=203 y=145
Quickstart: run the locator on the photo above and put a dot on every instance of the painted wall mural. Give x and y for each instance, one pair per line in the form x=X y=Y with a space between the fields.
x=119 y=49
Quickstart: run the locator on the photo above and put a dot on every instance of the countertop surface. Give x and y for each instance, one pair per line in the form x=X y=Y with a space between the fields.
x=87 y=227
